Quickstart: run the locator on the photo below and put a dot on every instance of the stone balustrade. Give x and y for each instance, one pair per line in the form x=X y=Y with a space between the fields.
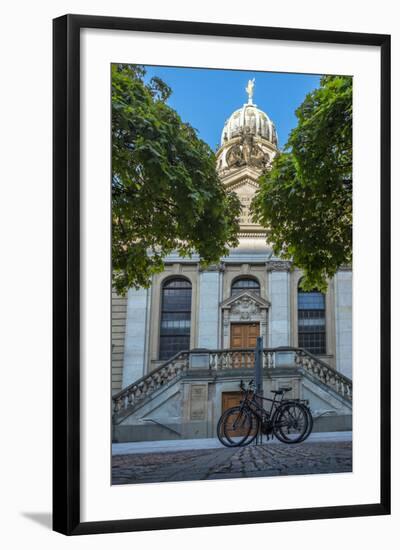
x=239 y=359
x=324 y=373
x=135 y=393
x=231 y=359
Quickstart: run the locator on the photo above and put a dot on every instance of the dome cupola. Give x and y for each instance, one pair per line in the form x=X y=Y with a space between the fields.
x=248 y=137
x=249 y=119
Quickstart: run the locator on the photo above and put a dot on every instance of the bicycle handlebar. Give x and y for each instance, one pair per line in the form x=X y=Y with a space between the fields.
x=242 y=387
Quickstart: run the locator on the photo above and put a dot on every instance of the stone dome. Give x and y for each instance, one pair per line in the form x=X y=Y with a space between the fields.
x=249 y=119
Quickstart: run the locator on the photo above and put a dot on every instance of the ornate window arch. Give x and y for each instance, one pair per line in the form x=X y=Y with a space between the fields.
x=311 y=319
x=251 y=284
x=176 y=308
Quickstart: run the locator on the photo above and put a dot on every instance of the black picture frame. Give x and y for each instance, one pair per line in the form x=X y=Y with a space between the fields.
x=66 y=273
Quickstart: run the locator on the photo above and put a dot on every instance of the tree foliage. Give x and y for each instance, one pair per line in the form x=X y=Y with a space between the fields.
x=305 y=201
x=166 y=195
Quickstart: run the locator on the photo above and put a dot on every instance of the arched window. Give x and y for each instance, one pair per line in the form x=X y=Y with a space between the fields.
x=311 y=321
x=175 y=317
x=245 y=283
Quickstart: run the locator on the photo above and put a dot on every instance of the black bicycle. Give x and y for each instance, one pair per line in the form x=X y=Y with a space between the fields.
x=289 y=420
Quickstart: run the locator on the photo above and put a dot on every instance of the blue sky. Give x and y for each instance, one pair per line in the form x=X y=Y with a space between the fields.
x=207 y=97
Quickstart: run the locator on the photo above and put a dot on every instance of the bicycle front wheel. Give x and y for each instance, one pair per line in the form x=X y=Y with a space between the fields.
x=310 y=421
x=291 y=423
x=234 y=426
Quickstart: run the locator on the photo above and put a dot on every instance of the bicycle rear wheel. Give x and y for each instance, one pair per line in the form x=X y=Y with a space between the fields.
x=291 y=423
x=310 y=423
x=234 y=426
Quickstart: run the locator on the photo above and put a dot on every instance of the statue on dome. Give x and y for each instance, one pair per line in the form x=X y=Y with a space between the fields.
x=250 y=89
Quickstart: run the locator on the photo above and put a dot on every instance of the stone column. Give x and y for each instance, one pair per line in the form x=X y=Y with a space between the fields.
x=279 y=312
x=343 y=322
x=208 y=313
x=135 y=335
x=264 y=327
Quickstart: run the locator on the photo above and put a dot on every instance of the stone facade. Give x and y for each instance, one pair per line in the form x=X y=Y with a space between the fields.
x=212 y=315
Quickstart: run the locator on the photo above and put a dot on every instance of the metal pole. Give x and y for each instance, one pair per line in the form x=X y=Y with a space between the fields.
x=258 y=366
x=259 y=372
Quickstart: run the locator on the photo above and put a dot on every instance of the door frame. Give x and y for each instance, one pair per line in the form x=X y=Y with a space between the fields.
x=244 y=308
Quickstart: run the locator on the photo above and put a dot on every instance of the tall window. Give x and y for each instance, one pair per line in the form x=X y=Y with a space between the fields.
x=245 y=283
x=311 y=321
x=175 y=317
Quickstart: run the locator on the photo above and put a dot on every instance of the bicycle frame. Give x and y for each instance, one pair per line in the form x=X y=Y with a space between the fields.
x=255 y=407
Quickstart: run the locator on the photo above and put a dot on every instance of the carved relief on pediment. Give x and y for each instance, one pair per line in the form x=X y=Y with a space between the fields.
x=245 y=308
x=245 y=192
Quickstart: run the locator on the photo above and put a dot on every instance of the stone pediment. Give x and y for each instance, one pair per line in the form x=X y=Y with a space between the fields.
x=245 y=186
x=245 y=301
x=238 y=177
x=244 y=307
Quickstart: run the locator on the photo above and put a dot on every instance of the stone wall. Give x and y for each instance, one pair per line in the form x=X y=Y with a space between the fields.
x=118 y=319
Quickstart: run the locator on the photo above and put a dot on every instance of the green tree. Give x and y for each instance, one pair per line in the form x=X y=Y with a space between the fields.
x=305 y=201
x=166 y=194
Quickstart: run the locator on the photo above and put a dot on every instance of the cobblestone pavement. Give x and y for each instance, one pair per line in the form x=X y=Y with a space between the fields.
x=253 y=461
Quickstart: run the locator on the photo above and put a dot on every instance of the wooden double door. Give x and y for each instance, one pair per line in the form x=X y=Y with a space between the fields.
x=244 y=335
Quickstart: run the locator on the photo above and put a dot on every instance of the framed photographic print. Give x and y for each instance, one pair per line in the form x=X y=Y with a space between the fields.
x=221 y=274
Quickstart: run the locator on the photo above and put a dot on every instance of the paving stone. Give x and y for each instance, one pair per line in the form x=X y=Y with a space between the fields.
x=253 y=461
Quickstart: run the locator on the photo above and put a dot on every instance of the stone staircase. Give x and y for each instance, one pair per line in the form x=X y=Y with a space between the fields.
x=321 y=382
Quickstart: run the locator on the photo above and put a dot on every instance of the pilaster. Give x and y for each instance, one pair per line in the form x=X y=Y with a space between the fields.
x=280 y=303
x=135 y=336
x=209 y=298
x=343 y=322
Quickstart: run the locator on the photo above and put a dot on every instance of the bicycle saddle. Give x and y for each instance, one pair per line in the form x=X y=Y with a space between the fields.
x=280 y=391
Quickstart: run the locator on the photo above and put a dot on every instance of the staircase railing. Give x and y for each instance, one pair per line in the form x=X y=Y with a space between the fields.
x=325 y=373
x=134 y=394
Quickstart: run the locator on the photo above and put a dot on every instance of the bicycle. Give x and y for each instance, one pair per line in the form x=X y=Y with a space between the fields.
x=289 y=420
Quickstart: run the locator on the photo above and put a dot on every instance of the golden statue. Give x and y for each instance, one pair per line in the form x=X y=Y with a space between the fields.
x=250 y=89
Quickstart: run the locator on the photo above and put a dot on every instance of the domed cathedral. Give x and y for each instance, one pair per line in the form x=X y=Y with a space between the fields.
x=181 y=347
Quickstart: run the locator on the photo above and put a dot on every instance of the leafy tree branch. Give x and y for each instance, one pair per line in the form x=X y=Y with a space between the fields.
x=305 y=201
x=166 y=195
